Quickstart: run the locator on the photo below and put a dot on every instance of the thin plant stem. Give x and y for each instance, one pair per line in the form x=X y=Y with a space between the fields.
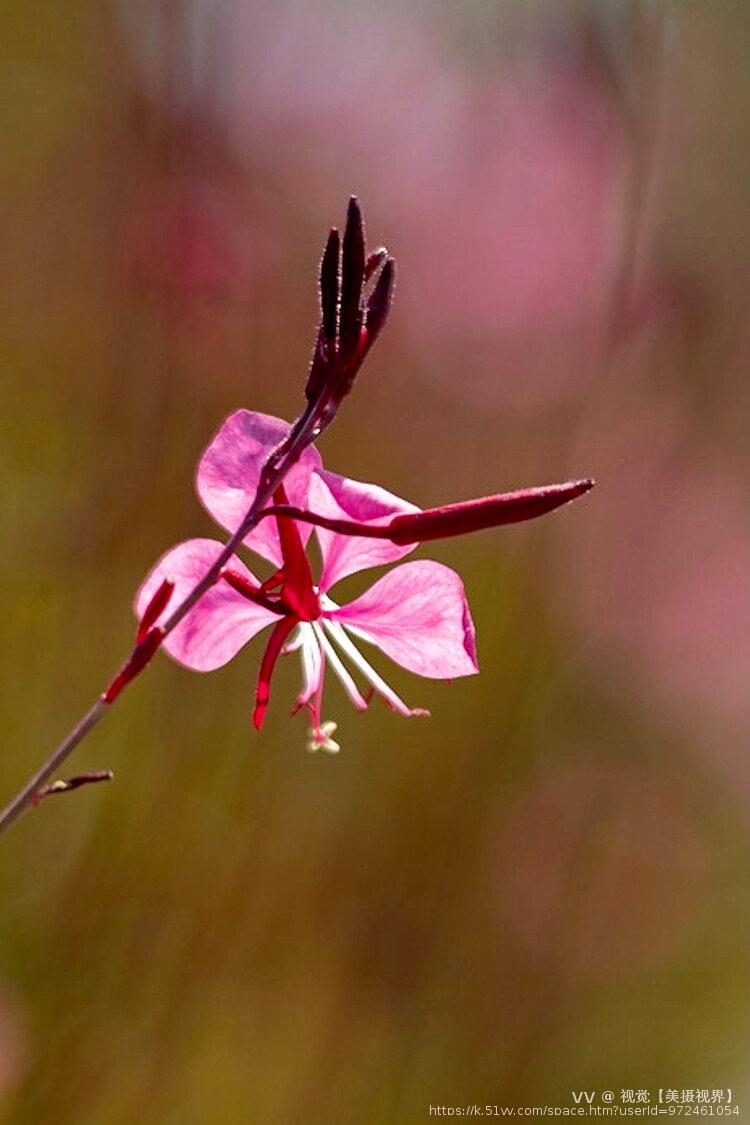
x=330 y=380
x=25 y=796
x=299 y=438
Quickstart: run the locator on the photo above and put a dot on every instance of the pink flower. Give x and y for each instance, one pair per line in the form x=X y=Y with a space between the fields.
x=417 y=614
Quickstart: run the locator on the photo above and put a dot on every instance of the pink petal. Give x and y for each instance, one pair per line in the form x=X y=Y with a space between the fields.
x=340 y=498
x=220 y=624
x=230 y=468
x=418 y=615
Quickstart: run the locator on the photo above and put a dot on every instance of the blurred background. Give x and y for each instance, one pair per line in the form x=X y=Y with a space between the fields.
x=544 y=887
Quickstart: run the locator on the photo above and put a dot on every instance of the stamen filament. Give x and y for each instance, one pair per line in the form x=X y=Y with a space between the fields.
x=340 y=669
x=318 y=704
x=312 y=663
x=338 y=633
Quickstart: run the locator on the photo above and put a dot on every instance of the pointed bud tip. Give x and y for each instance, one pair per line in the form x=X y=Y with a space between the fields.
x=353 y=212
x=374 y=261
x=380 y=299
x=389 y=273
x=487 y=511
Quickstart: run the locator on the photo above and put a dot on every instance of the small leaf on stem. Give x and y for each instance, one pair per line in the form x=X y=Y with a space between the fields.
x=71 y=783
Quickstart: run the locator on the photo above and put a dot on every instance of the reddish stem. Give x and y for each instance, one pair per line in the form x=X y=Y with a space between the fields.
x=342 y=282
x=274 y=473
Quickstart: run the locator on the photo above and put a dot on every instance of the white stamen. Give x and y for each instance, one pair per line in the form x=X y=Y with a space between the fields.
x=296 y=642
x=337 y=666
x=338 y=633
x=327 y=602
x=312 y=662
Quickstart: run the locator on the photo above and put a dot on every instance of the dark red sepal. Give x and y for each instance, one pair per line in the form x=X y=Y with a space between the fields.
x=275 y=644
x=155 y=607
x=143 y=652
